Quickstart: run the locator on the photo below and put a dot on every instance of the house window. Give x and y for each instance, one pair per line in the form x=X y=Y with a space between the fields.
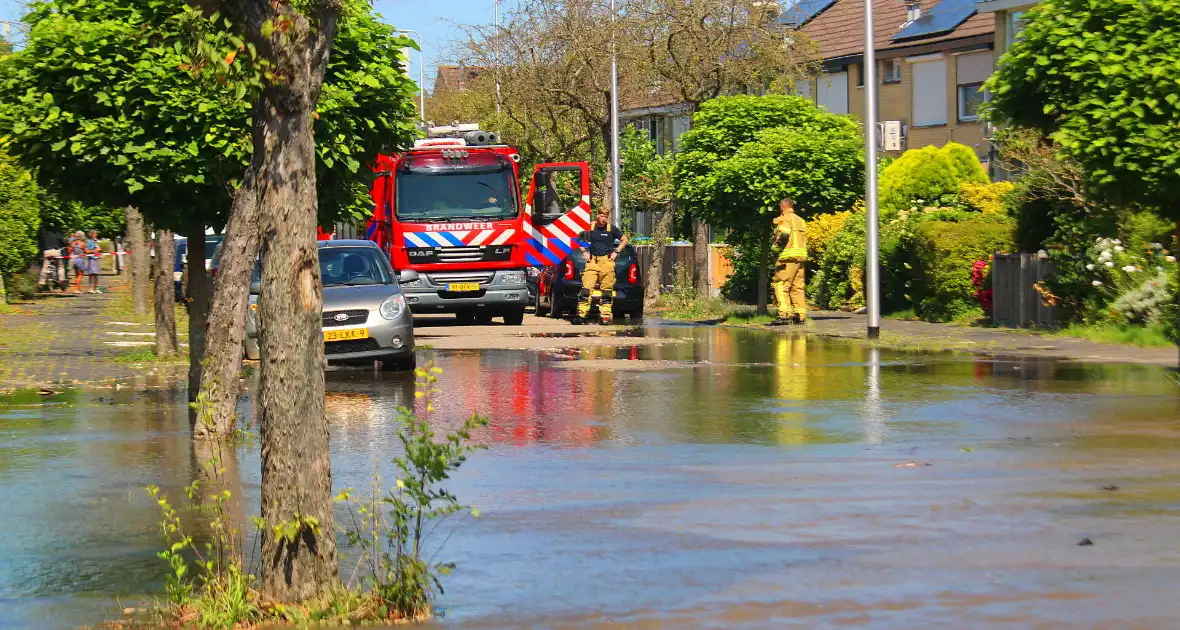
x=832 y=92
x=891 y=71
x=860 y=76
x=1015 y=25
x=970 y=73
x=929 y=93
x=680 y=124
x=970 y=98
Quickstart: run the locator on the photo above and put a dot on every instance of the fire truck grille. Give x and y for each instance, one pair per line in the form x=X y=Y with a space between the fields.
x=458 y=276
x=459 y=254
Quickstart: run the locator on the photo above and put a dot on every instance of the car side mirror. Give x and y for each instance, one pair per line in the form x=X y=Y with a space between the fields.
x=407 y=276
x=255 y=288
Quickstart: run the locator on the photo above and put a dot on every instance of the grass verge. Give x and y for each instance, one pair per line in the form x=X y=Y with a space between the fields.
x=1151 y=336
x=147 y=354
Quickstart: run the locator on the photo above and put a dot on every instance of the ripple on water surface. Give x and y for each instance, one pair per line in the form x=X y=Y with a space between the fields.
x=742 y=479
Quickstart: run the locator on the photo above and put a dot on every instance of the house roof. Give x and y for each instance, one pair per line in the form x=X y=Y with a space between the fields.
x=839 y=29
x=456 y=77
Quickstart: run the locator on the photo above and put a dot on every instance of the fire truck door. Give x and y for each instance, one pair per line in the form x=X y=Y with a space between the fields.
x=558 y=209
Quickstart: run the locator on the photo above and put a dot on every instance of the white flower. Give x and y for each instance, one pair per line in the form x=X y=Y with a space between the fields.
x=1109 y=265
x=1105 y=255
x=1097 y=283
x=1156 y=246
x=1129 y=268
x=1170 y=258
x=1118 y=248
x=1090 y=267
x=1117 y=242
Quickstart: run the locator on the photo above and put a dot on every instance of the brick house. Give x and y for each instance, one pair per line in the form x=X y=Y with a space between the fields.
x=932 y=55
x=456 y=78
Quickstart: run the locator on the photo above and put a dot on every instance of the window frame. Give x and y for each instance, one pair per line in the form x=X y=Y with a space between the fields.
x=885 y=78
x=962 y=101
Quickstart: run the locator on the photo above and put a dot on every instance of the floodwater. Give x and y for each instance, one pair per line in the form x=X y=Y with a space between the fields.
x=768 y=484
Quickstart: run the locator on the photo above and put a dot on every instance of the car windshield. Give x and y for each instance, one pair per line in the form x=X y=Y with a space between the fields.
x=460 y=195
x=353 y=265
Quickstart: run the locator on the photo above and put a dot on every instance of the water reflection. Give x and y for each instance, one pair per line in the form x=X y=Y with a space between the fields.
x=651 y=487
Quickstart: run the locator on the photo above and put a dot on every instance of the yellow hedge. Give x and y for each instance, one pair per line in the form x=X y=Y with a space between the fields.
x=984 y=197
x=821 y=229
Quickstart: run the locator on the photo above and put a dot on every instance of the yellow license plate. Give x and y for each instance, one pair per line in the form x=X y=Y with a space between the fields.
x=463 y=286
x=345 y=335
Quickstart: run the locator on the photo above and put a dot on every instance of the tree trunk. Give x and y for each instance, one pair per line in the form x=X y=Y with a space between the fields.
x=296 y=467
x=164 y=301
x=763 y=271
x=700 y=255
x=223 y=348
x=140 y=267
x=197 y=300
x=655 y=273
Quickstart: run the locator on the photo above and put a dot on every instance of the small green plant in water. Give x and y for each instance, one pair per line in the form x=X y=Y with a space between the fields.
x=206 y=585
x=392 y=527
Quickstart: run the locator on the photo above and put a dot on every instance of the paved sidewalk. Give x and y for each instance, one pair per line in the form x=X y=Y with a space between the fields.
x=69 y=339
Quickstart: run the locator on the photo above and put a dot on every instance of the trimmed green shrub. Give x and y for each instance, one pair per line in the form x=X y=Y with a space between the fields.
x=942 y=253
x=20 y=209
x=921 y=177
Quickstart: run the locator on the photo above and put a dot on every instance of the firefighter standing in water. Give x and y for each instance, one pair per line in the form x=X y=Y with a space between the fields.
x=598 y=279
x=790 y=234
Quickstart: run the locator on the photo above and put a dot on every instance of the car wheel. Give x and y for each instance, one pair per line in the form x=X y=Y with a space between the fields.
x=253 y=352
x=514 y=317
x=465 y=317
x=483 y=318
x=401 y=364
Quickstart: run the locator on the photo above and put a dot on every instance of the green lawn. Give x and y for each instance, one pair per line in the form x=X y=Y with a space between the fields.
x=1144 y=336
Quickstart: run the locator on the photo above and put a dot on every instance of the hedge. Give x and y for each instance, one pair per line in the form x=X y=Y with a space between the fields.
x=942 y=253
x=20 y=218
x=921 y=177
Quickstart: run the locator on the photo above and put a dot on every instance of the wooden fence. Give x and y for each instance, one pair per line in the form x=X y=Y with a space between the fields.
x=1016 y=303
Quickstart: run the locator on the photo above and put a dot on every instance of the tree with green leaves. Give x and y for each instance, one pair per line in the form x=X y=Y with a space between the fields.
x=1099 y=80
x=645 y=185
x=745 y=153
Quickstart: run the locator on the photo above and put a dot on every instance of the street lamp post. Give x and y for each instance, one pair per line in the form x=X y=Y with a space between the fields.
x=616 y=213
x=872 y=262
x=421 y=73
x=497 y=56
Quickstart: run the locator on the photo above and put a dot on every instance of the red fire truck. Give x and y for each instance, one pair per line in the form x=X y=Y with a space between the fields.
x=451 y=210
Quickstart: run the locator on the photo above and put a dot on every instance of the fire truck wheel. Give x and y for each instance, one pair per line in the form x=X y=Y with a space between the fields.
x=483 y=317
x=465 y=317
x=514 y=317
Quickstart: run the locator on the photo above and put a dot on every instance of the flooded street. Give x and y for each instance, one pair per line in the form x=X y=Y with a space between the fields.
x=727 y=479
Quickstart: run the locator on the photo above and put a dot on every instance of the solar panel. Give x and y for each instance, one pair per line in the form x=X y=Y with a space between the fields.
x=802 y=11
x=943 y=17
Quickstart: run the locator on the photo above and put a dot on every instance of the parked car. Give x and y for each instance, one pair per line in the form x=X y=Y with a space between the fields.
x=531 y=276
x=212 y=243
x=558 y=286
x=365 y=315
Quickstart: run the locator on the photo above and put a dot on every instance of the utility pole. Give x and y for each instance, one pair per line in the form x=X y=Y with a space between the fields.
x=872 y=262
x=497 y=54
x=616 y=213
x=421 y=73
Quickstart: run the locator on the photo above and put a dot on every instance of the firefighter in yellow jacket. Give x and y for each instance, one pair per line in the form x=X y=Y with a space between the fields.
x=790 y=234
x=598 y=279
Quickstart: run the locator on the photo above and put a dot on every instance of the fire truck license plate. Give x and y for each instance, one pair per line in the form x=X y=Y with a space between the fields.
x=345 y=335
x=462 y=286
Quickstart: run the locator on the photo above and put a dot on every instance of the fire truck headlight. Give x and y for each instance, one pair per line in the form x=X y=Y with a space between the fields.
x=393 y=306
x=513 y=277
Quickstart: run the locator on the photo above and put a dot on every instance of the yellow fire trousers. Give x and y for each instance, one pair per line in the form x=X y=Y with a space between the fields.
x=598 y=278
x=789 y=289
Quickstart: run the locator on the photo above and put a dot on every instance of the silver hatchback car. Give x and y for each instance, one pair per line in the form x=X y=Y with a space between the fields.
x=365 y=317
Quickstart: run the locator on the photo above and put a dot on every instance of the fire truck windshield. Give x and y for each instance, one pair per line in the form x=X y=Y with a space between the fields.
x=480 y=193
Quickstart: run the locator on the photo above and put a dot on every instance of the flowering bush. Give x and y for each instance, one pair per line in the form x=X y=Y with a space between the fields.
x=1132 y=283
x=980 y=275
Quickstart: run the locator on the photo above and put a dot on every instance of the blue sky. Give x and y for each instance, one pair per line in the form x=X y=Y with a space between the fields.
x=432 y=18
